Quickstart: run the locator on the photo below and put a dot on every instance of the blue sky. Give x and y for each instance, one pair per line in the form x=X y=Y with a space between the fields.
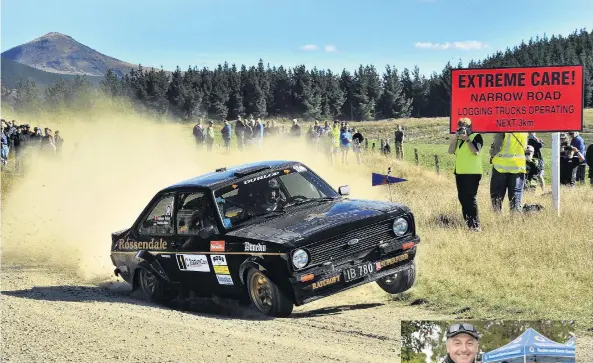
x=332 y=34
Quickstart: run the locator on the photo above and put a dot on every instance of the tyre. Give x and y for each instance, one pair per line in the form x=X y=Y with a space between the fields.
x=266 y=296
x=399 y=282
x=153 y=288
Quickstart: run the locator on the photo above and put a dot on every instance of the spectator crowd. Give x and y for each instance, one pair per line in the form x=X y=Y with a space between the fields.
x=335 y=139
x=16 y=139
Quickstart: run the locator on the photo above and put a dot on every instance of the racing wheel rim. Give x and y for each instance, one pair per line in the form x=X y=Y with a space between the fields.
x=261 y=291
x=147 y=281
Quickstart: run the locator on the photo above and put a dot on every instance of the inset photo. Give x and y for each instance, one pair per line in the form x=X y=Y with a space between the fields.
x=487 y=341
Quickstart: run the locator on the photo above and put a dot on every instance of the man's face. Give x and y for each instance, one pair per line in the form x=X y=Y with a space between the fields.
x=462 y=348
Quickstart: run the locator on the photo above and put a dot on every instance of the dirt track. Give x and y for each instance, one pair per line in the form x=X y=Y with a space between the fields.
x=85 y=323
x=49 y=317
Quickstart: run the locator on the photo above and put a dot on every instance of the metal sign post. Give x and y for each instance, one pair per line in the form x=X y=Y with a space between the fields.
x=556 y=171
x=389 y=184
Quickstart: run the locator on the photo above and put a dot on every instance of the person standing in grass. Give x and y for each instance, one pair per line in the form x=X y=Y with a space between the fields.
x=399 y=141
x=536 y=143
x=346 y=142
x=466 y=146
x=508 y=169
x=210 y=135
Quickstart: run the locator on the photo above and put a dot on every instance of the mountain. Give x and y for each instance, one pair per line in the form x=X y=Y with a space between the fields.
x=12 y=72
x=59 y=53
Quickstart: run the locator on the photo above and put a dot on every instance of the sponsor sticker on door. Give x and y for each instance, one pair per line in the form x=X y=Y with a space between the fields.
x=216 y=246
x=218 y=260
x=197 y=263
x=224 y=270
x=250 y=247
x=225 y=279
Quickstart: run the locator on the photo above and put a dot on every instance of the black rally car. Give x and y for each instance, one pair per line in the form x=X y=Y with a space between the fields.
x=273 y=233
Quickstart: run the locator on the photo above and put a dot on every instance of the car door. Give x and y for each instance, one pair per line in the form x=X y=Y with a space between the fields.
x=156 y=230
x=196 y=227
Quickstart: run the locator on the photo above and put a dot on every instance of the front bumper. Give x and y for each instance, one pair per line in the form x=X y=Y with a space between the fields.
x=330 y=279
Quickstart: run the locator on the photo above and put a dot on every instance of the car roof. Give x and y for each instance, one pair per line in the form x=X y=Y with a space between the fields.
x=223 y=176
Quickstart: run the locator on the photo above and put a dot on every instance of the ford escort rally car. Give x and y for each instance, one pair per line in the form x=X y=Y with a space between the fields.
x=273 y=234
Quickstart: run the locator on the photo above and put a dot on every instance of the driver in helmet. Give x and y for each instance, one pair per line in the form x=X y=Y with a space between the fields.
x=268 y=197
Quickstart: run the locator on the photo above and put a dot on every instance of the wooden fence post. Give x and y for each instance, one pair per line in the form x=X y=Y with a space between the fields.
x=436 y=162
x=416 y=155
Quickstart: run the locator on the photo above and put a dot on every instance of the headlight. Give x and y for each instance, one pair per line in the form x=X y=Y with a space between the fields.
x=300 y=258
x=400 y=227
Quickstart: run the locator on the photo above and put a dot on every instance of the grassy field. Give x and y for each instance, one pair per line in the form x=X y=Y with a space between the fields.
x=520 y=267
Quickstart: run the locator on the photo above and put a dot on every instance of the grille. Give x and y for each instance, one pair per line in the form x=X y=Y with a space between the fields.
x=334 y=248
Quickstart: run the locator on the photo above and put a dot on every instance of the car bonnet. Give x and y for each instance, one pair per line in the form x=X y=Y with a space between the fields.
x=306 y=220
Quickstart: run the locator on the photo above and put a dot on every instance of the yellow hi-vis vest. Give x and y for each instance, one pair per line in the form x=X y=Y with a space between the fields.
x=511 y=158
x=336 y=134
x=465 y=161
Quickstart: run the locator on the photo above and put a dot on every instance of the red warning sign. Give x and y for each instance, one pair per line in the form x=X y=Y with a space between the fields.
x=543 y=99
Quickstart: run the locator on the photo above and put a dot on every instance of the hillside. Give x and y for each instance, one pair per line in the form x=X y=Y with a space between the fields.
x=59 y=53
x=13 y=72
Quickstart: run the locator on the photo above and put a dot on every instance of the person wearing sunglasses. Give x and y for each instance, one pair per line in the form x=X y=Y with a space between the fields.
x=462 y=343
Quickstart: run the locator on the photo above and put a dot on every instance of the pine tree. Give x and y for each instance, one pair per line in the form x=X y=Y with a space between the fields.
x=235 y=103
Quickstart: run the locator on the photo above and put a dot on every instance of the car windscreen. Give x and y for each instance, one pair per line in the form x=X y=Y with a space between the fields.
x=268 y=193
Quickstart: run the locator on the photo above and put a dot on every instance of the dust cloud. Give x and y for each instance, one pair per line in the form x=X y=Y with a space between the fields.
x=61 y=214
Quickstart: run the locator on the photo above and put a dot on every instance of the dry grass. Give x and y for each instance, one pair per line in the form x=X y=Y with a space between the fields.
x=519 y=267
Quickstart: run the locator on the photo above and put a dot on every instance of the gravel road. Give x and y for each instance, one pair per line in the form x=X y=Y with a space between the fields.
x=48 y=316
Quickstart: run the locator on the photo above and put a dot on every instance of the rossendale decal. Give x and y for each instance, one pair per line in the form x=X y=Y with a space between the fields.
x=261 y=177
x=126 y=244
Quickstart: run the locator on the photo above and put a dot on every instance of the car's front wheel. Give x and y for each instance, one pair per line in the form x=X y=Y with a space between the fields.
x=266 y=296
x=399 y=282
x=153 y=288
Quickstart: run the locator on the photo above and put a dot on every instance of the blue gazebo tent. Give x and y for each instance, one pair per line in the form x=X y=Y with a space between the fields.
x=529 y=347
x=571 y=342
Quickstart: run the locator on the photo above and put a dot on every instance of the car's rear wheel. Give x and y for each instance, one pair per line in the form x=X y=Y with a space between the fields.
x=266 y=296
x=399 y=282
x=153 y=288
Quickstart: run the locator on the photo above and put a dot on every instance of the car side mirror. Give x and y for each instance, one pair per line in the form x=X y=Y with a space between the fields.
x=344 y=190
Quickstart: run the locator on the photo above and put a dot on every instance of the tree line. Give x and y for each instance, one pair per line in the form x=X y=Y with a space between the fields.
x=229 y=91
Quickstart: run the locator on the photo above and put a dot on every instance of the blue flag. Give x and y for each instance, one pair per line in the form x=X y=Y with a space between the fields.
x=380 y=179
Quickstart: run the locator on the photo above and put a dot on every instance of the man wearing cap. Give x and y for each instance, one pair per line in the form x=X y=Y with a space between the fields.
x=462 y=343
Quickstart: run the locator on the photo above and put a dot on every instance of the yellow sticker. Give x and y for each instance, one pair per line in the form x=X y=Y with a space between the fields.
x=223 y=270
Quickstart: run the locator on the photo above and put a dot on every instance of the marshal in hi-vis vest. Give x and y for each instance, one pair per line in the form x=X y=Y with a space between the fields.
x=511 y=158
x=465 y=161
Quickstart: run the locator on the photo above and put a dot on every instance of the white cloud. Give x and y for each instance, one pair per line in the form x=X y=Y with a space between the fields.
x=309 y=47
x=330 y=48
x=465 y=45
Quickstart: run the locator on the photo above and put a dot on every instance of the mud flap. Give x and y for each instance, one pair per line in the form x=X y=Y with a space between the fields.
x=151 y=263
